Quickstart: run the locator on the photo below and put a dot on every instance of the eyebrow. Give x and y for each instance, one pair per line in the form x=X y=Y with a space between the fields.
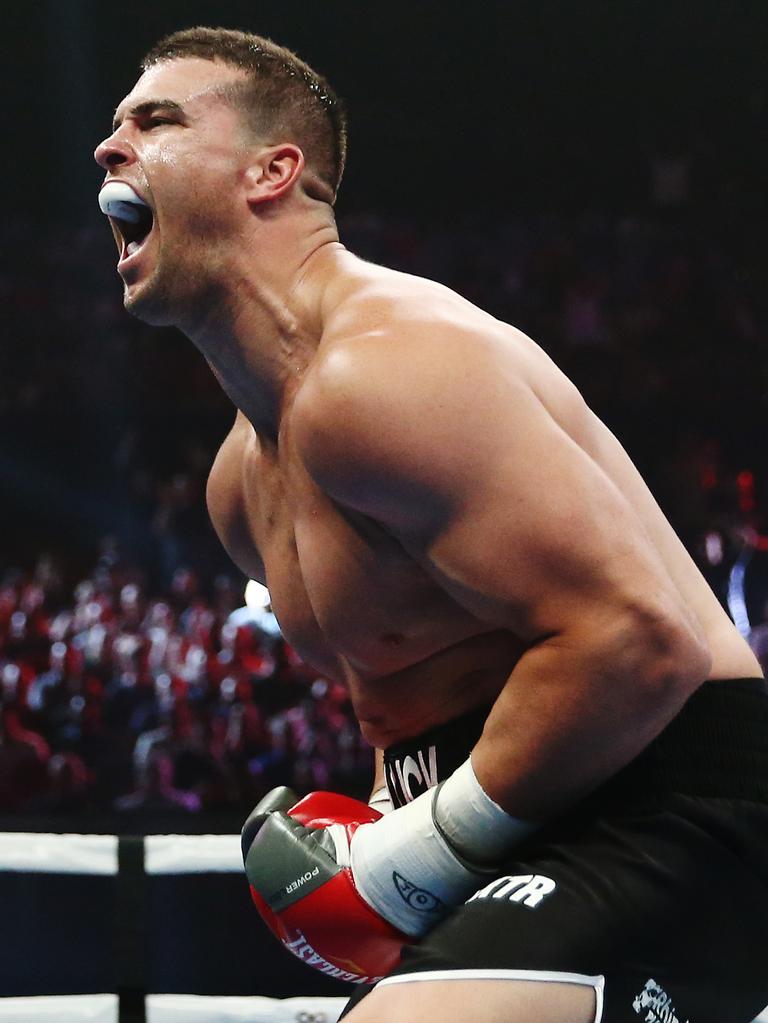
x=148 y=106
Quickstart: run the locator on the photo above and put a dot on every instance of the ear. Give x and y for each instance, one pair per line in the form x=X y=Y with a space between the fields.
x=273 y=172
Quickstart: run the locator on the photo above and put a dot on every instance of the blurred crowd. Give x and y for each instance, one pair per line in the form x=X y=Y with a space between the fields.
x=114 y=699
x=132 y=678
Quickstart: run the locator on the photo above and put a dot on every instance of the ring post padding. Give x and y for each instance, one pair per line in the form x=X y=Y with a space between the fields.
x=131 y=931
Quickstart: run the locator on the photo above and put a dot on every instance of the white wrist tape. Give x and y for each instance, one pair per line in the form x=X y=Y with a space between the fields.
x=473 y=824
x=404 y=868
x=413 y=868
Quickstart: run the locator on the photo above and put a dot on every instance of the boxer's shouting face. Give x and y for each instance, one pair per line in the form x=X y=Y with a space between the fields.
x=173 y=163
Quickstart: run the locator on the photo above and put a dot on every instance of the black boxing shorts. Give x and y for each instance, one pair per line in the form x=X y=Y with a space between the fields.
x=653 y=891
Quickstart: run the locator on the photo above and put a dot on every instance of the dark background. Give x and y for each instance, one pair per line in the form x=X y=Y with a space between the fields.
x=456 y=110
x=462 y=117
x=518 y=152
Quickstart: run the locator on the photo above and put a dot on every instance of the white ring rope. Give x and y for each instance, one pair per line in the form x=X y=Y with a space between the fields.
x=207 y=1009
x=30 y=852
x=172 y=1009
x=60 y=1009
x=193 y=854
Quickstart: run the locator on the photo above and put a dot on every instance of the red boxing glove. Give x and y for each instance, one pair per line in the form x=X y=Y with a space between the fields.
x=296 y=857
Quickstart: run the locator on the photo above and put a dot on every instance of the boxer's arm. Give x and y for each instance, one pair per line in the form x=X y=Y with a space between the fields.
x=513 y=519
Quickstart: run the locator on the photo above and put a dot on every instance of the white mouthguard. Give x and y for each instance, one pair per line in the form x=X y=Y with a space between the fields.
x=119 y=200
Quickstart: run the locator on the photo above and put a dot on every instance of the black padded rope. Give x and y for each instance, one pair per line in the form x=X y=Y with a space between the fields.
x=131 y=937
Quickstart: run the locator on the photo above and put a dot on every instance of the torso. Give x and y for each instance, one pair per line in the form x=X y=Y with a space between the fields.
x=353 y=603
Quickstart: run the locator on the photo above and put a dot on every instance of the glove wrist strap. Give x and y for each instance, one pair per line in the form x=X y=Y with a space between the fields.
x=419 y=861
x=476 y=827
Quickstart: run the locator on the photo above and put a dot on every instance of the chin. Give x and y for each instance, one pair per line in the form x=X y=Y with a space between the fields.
x=145 y=311
x=149 y=303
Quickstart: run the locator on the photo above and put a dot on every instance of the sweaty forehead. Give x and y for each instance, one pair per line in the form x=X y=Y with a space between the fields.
x=189 y=81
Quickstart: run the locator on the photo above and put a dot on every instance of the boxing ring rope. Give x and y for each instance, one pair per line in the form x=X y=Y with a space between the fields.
x=33 y=866
x=115 y=898
x=172 y=1009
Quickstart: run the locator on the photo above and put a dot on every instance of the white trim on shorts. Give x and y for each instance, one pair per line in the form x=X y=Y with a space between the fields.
x=598 y=983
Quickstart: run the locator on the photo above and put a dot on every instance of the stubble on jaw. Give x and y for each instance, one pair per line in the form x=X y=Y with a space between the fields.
x=180 y=295
x=193 y=268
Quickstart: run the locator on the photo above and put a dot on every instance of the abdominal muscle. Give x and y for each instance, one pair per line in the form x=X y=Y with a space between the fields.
x=443 y=686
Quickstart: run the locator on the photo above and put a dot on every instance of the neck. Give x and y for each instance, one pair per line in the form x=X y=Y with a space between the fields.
x=261 y=320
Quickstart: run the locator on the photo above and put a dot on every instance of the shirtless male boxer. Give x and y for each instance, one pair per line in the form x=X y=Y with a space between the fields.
x=445 y=526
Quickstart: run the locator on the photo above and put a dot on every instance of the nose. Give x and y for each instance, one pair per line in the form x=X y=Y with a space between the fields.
x=113 y=152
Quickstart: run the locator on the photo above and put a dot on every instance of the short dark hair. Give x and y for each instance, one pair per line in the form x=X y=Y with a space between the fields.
x=280 y=92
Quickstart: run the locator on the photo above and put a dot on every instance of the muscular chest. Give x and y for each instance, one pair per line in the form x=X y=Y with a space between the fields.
x=342 y=589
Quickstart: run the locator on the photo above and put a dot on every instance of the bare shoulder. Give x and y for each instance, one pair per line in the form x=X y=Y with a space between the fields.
x=460 y=437
x=413 y=383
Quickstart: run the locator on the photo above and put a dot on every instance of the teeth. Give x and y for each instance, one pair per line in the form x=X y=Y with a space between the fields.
x=132 y=247
x=119 y=200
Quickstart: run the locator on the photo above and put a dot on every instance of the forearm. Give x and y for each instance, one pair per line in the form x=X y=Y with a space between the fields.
x=576 y=710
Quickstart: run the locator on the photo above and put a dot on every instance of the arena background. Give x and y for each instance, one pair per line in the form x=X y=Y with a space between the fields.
x=593 y=173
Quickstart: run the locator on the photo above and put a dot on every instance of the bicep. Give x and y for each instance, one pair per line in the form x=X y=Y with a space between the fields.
x=538 y=534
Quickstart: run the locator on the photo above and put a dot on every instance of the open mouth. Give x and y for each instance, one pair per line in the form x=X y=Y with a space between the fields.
x=131 y=217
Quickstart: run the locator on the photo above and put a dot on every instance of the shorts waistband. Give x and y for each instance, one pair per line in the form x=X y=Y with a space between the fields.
x=716 y=746
x=414 y=765
x=463 y=731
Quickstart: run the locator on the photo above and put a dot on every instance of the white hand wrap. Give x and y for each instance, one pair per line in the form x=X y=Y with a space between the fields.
x=412 y=868
x=475 y=826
